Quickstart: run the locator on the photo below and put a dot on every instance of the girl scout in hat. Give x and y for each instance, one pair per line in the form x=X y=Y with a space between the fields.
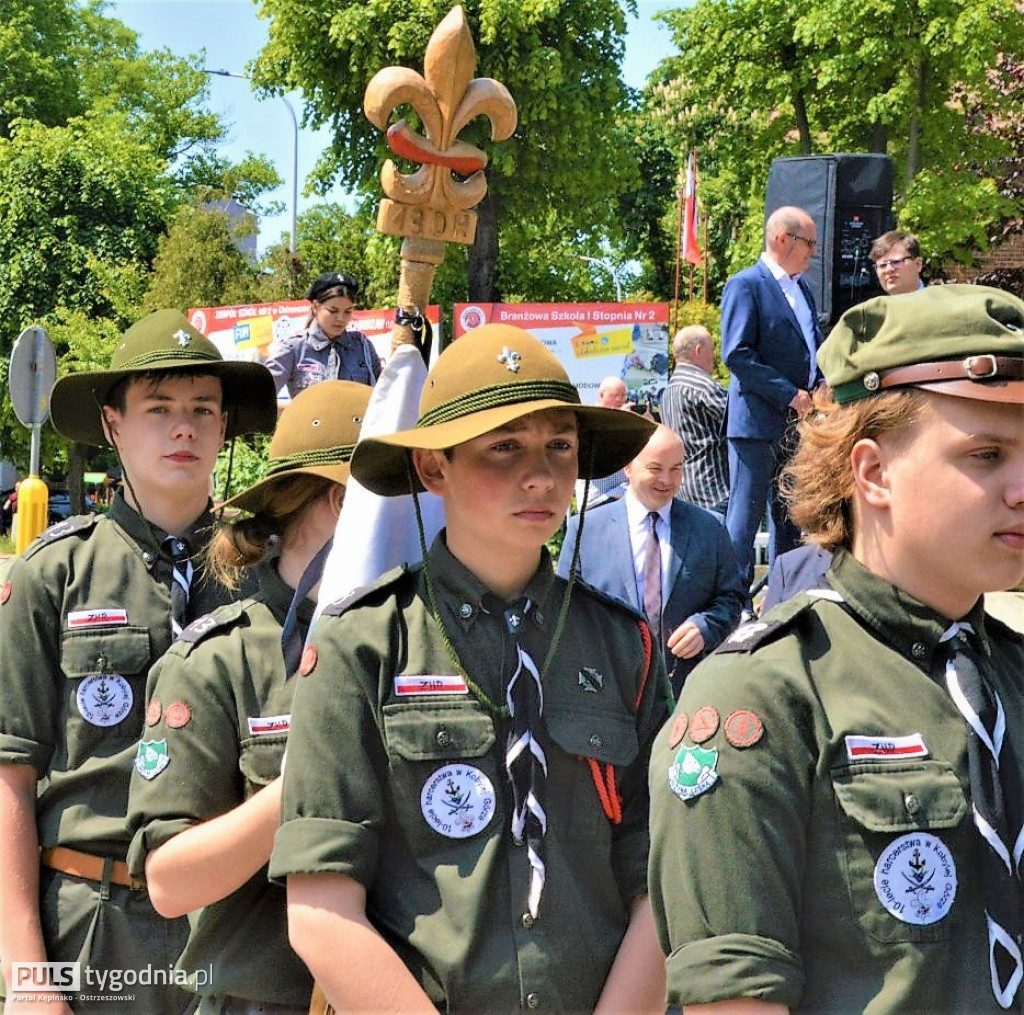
x=465 y=811
x=205 y=795
x=326 y=349
x=836 y=804
x=91 y=605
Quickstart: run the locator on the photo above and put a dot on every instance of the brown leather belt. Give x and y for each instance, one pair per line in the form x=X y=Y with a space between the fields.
x=973 y=368
x=92 y=868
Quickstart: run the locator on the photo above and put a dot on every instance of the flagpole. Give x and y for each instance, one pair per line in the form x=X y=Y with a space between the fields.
x=679 y=252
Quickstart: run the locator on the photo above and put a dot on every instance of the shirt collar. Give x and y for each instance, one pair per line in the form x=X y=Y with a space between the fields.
x=317 y=337
x=637 y=514
x=463 y=598
x=144 y=532
x=277 y=594
x=778 y=272
x=897 y=618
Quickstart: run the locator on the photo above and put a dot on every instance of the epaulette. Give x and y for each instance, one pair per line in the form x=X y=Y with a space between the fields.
x=750 y=635
x=609 y=600
x=364 y=593
x=222 y=617
x=68 y=527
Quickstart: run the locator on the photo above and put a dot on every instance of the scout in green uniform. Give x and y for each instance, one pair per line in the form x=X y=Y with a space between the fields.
x=837 y=800
x=465 y=804
x=84 y=614
x=205 y=796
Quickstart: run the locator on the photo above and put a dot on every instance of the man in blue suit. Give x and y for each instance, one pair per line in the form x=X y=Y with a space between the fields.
x=770 y=334
x=699 y=591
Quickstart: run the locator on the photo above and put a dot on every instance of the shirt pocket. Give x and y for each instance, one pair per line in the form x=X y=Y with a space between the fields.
x=445 y=776
x=260 y=760
x=887 y=814
x=585 y=735
x=106 y=676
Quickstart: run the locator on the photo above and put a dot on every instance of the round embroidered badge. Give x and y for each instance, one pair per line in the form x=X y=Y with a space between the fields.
x=743 y=728
x=308 y=661
x=177 y=715
x=915 y=878
x=457 y=801
x=5 y=593
x=704 y=724
x=105 y=699
x=678 y=730
x=153 y=712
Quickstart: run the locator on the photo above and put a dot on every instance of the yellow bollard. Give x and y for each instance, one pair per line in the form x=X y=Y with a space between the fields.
x=33 y=505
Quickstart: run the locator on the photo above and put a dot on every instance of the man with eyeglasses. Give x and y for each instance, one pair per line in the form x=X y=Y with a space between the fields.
x=897 y=259
x=770 y=335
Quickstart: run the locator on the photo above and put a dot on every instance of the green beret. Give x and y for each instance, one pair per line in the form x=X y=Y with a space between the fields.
x=964 y=340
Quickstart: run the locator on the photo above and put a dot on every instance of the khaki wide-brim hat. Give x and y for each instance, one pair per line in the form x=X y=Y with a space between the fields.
x=315 y=435
x=960 y=340
x=492 y=376
x=165 y=341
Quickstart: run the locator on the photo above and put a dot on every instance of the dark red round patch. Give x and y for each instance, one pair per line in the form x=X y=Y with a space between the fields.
x=678 y=730
x=5 y=593
x=177 y=715
x=743 y=728
x=704 y=724
x=308 y=663
x=153 y=712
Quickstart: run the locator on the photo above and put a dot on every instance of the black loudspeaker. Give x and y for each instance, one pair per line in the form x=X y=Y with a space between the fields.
x=850 y=199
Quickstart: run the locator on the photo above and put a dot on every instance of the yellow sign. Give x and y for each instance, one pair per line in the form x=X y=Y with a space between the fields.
x=253 y=333
x=601 y=343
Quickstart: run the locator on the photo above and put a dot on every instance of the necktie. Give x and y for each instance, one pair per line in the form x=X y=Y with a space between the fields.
x=652 y=578
x=1000 y=851
x=525 y=761
x=181 y=580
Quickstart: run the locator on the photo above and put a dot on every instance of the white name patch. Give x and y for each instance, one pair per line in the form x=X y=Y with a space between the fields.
x=104 y=699
x=860 y=748
x=97 y=618
x=264 y=724
x=457 y=801
x=428 y=684
x=915 y=878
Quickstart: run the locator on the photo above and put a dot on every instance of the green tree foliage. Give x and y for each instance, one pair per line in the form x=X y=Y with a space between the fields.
x=757 y=79
x=559 y=59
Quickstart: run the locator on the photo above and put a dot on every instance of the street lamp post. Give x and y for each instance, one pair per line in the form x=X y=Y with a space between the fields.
x=295 y=150
x=609 y=267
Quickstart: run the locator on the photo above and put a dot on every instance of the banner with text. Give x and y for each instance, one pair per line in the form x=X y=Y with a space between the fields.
x=246 y=332
x=592 y=340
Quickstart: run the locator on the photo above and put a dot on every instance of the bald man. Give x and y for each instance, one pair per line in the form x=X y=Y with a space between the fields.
x=697 y=592
x=770 y=336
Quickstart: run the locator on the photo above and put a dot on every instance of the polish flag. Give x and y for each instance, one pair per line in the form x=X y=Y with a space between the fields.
x=691 y=249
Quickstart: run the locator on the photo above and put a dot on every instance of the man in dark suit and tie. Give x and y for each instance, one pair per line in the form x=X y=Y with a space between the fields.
x=770 y=335
x=667 y=558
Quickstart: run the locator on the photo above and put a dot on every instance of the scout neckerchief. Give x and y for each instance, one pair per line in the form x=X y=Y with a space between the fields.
x=181 y=581
x=525 y=761
x=995 y=811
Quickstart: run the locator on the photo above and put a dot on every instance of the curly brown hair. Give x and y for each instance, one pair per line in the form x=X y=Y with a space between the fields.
x=817 y=483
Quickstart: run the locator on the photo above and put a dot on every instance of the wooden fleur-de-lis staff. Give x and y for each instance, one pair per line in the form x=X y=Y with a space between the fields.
x=431 y=206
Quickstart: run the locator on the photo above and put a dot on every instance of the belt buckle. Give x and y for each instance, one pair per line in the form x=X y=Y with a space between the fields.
x=974 y=374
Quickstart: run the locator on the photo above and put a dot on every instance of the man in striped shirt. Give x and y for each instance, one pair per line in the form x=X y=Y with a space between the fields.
x=694 y=406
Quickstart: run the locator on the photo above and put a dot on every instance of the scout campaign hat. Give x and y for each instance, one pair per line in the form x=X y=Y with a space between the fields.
x=316 y=435
x=491 y=376
x=963 y=340
x=164 y=340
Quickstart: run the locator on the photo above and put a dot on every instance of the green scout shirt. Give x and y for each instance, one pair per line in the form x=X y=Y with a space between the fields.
x=219 y=705
x=833 y=760
x=370 y=758
x=86 y=614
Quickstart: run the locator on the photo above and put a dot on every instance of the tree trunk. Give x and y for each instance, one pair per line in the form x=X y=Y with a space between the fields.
x=803 y=124
x=483 y=254
x=76 y=477
x=878 y=139
x=914 y=131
